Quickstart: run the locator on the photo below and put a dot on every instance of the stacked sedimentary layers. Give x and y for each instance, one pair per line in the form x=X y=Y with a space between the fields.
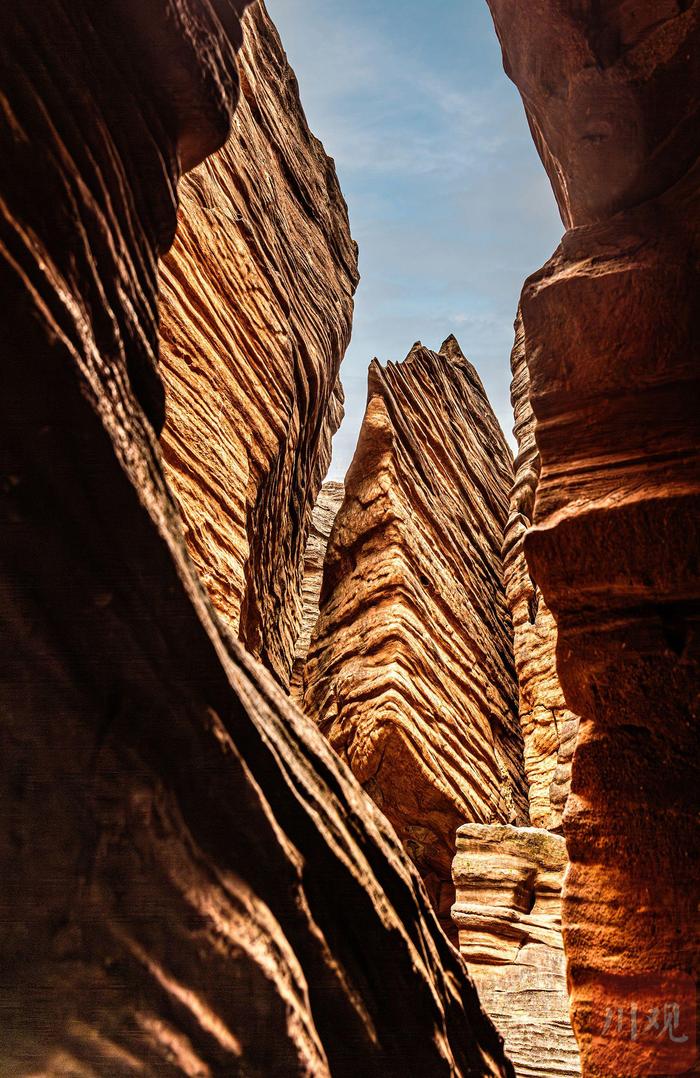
x=548 y=727
x=323 y=517
x=612 y=93
x=256 y=315
x=410 y=673
x=508 y=912
x=193 y=884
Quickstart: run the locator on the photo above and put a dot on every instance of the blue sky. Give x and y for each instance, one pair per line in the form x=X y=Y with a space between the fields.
x=448 y=199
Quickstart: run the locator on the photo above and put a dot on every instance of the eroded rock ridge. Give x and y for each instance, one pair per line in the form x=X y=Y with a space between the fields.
x=410 y=672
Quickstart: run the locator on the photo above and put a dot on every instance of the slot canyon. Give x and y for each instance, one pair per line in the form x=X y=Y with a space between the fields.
x=392 y=776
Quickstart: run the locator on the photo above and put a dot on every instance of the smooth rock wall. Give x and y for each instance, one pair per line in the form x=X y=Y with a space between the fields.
x=612 y=94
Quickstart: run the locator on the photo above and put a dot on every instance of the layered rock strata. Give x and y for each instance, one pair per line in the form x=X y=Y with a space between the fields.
x=508 y=913
x=193 y=884
x=549 y=728
x=612 y=93
x=323 y=517
x=410 y=672
x=256 y=316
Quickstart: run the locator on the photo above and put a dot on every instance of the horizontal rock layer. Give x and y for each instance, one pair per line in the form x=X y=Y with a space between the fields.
x=549 y=728
x=256 y=316
x=323 y=517
x=612 y=92
x=410 y=672
x=508 y=912
x=192 y=883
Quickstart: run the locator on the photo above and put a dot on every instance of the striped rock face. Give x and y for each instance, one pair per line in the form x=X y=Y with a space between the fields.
x=323 y=518
x=508 y=884
x=410 y=673
x=255 y=319
x=549 y=728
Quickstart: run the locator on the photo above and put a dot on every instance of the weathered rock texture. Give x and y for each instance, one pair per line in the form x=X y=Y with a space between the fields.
x=256 y=316
x=410 y=673
x=508 y=912
x=192 y=883
x=549 y=728
x=612 y=92
x=322 y=520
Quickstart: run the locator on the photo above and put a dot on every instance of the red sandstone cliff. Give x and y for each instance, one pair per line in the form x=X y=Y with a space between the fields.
x=612 y=93
x=410 y=672
x=255 y=318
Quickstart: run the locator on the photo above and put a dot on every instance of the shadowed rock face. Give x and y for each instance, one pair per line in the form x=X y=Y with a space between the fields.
x=548 y=727
x=256 y=315
x=410 y=672
x=611 y=338
x=508 y=912
x=192 y=883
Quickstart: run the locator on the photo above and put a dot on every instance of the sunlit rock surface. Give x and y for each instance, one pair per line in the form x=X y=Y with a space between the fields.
x=328 y=503
x=192 y=883
x=410 y=672
x=549 y=728
x=508 y=912
x=256 y=315
x=612 y=93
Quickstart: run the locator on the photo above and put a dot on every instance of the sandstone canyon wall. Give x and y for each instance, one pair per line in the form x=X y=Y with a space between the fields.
x=410 y=673
x=548 y=727
x=508 y=912
x=612 y=93
x=256 y=316
x=193 y=884
x=323 y=517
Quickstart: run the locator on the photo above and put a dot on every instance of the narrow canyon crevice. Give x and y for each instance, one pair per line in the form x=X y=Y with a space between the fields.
x=411 y=674
x=269 y=745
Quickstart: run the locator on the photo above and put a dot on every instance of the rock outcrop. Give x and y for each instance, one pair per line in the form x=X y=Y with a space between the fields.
x=410 y=673
x=256 y=316
x=612 y=92
x=192 y=883
x=323 y=517
x=508 y=912
x=548 y=727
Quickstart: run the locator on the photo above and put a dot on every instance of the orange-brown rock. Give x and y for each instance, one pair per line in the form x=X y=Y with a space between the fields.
x=255 y=319
x=328 y=503
x=612 y=91
x=548 y=727
x=192 y=883
x=410 y=673
x=508 y=884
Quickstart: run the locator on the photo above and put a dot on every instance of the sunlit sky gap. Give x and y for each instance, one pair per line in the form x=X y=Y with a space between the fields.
x=448 y=199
